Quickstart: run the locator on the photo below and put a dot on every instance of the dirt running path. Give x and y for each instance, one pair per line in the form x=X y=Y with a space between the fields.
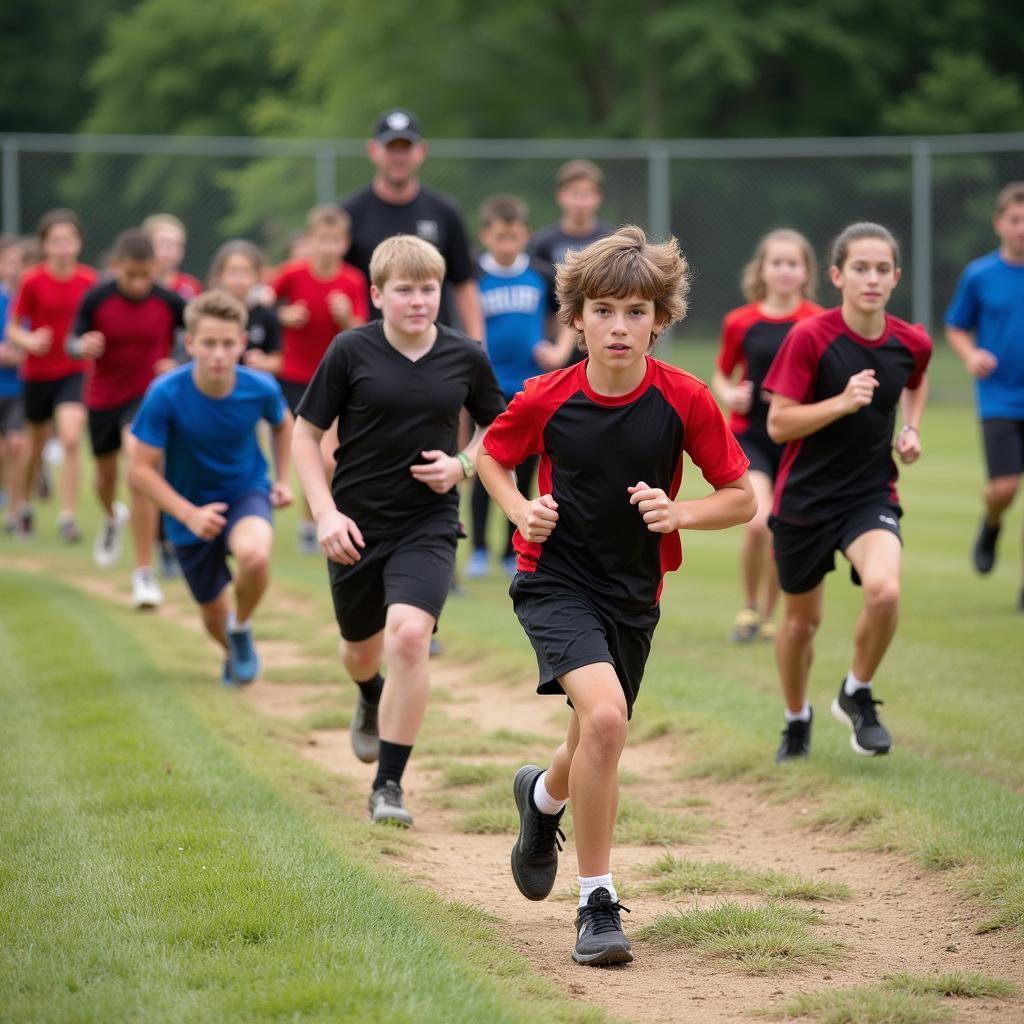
x=900 y=919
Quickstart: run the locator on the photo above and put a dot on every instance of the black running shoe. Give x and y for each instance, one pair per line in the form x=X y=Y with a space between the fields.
x=364 y=733
x=985 y=547
x=599 y=935
x=535 y=855
x=867 y=734
x=387 y=808
x=796 y=741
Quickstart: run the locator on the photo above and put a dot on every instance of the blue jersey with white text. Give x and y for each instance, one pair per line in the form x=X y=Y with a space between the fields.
x=10 y=382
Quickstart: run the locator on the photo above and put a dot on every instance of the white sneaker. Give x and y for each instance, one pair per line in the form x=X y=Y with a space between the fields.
x=106 y=551
x=146 y=592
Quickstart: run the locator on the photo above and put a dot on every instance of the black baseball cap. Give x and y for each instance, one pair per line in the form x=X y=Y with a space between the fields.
x=397 y=124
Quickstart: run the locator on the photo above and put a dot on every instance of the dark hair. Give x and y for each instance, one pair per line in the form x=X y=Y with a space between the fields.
x=507 y=208
x=856 y=232
x=132 y=245
x=61 y=215
x=236 y=247
x=579 y=170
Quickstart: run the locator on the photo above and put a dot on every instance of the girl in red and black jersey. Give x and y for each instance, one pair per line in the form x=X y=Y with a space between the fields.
x=779 y=284
x=836 y=385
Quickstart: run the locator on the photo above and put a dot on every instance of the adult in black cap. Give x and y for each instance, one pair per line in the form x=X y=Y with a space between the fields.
x=396 y=202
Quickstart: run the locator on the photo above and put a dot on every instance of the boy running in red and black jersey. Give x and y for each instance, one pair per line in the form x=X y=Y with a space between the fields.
x=127 y=329
x=777 y=282
x=594 y=547
x=835 y=385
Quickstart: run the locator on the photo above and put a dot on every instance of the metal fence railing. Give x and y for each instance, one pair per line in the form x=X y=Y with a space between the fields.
x=717 y=196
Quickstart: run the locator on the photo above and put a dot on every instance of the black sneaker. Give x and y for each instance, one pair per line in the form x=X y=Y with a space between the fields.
x=387 y=808
x=364 y=734
x=599 y=935
x=535 y=854
x=984 y=553
x=796 y=740
x=867 y=734
x=24 y=524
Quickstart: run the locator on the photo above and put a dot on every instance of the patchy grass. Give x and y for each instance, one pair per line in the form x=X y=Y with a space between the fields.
x=328 y=718
x=458 y=739
x=961 y=984
x=678 y=877
x=863 y=1006
x=458 y=774
x=1001 y=886
x=638 y=824
x=758 y=940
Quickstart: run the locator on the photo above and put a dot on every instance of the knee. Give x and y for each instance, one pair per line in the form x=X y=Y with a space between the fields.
x=359 y=660
x=605 y=727
x=1003 y=490
x=253 y=560
x=409 y=639
x=801 y=628
x=882 y=596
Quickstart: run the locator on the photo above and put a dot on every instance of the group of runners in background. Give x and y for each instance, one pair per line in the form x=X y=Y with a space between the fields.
x=347 y=351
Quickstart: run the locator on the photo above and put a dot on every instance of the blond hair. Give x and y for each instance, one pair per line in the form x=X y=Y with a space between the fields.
x=405 y=256
x=619 y=266
x=752 y=282
x=329 y=217
x=1010 y=194
x=217 y=304
x=155 y=221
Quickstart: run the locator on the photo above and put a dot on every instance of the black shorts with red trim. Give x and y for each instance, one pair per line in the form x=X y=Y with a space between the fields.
x=568 y=630
x=762 y=452
x=804 y=555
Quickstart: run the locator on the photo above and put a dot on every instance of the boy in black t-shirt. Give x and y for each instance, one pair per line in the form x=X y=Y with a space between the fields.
x=836 y=384
x=397 y=386
x=594 y=547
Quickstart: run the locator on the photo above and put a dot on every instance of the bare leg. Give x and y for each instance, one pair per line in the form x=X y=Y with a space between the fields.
x=407 y=635
x=31 y=456
x=755 y=553
x=999 y=494
x=144 y=514
x=557 y=780
x=794 y=649
x=14 y=451
x=69 y=420
x=250 y=541
x=106 y=481
x=876 y=555
x=362 y=658
x=215 y=616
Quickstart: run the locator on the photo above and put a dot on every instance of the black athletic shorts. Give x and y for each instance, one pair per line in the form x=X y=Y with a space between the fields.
x=1004 y=447
x=12 y=415
x=764 y=454
x=107 y=425
x=805 y=554
x=414 y=569
x=569 y=630
x=205 y=564
x=293 y=393
x=43 y=396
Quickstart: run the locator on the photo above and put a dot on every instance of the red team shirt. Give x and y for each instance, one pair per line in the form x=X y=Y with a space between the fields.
x=751 y=340
x=592 y=447
x=848 y=463
x=185 y=285
x=304 y=347
x=46 y=301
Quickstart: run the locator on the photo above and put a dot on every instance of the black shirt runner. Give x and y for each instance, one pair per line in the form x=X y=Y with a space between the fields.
x=264 y=330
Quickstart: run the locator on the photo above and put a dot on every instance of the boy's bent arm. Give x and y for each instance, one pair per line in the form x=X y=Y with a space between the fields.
x=979 y=362
x=729 y=505
x=534 y=519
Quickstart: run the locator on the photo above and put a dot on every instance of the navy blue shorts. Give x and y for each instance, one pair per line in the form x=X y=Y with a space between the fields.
x=205 y=565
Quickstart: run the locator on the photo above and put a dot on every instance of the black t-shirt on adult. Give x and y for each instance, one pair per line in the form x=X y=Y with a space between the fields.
x=431 y=216
x=264 y=330
x=848 y=463
x=390 y=410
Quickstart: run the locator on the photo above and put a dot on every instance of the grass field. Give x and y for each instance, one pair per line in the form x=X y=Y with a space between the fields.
x=164 y=857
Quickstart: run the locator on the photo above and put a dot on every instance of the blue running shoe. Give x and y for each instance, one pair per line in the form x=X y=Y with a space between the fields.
x=478 y=565
x=226 y=677
x=244 y=661
x=510 y=565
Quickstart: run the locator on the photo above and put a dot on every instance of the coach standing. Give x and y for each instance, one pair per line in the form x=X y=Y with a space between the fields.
x=396 y=202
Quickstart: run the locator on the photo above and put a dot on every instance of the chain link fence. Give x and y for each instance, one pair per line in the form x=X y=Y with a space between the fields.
x=717 y=197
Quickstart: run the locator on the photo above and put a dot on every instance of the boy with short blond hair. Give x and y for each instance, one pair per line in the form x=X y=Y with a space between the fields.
x=197 y=456
x=389 y=521
x=595 y=546
x=169 y=235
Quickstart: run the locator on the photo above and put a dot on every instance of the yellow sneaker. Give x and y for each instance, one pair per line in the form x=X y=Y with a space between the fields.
x=768 y=630
x=745 y=627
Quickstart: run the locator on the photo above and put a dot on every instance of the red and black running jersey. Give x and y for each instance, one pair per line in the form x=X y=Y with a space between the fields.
x=849 y=462
x=137 y=334
x=593 y=447
x=751 y=340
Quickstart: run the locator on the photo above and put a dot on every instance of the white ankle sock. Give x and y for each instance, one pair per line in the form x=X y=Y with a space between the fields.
x=853 y=684
x=798 y=716
x=588 y=885
x=545 y=802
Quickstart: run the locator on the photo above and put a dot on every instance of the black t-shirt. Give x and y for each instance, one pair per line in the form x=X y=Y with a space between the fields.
x=553 y=242
x=264 y=329
x=592 y=448
x=431 y=216
x=848 y=463
x=390 y=410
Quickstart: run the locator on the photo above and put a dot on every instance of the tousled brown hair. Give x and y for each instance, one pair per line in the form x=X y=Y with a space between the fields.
x=620 y=265
x=1009 y=195
x=855 y=233
x=506 y=208
x=236 y=247
x=752 y=283
x=62 y=215
x=217 y=304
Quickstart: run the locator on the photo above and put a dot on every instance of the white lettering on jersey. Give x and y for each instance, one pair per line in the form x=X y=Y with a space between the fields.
x=428 y=231
x=516 y=298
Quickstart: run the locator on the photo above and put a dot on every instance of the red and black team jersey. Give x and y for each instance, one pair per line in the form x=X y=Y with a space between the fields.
x=849 y=462
x=592 y=448
x=751 y=340
x=137 y=333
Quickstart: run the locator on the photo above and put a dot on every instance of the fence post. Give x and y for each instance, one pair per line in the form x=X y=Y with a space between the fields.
x=921 y=242
x=11 y=200
x=326 y=182
x=659 y=191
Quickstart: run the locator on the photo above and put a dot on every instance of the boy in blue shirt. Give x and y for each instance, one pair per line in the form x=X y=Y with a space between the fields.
x=517 y=295
x=985 y=327
x=12 y=408
x=199 y=423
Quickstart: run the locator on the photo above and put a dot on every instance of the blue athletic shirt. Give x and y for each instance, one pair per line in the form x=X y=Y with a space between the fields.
x=10 y=382
x=211 y=452
x=989 y=300
x=517 y=301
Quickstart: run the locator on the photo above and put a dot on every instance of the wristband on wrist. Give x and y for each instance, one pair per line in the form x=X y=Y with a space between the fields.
x=906 y=427
x=467 y=464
